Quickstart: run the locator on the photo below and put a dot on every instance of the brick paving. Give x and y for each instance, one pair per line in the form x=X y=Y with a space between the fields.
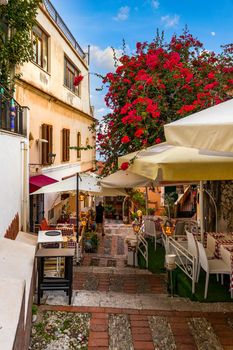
x=141 y=331
x=95 y=276
x=127 y=283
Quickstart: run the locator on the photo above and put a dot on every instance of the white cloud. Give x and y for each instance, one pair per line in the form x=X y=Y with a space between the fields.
x=155 y=4
x=101 y=110
x=213 y=33
x=122 y=14
x=103 y=58
x=170 y=21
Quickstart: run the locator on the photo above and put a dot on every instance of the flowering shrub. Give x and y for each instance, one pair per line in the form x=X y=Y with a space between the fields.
x=160 y=83
x=78 y=79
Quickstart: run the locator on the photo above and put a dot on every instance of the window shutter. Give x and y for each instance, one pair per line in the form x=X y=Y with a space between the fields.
x=50 y=143
x=78 y=145
x=63 y=145
x=47 y=134
x=67 y=144
x=44 y=145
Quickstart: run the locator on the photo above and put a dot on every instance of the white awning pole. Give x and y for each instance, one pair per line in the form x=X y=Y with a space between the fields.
x=146 y=199
x=201 y=201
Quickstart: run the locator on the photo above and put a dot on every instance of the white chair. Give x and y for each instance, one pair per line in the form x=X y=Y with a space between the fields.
x=214 y=266
x=150 y=230
x=192 y=249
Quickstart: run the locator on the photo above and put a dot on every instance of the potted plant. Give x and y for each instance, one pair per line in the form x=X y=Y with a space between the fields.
x=91 y=242
x=109 y=210
x=134 y=216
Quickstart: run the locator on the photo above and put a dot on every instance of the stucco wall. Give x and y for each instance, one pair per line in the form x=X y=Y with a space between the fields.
x=52 y=81
x=10 y=179
x=44 y=110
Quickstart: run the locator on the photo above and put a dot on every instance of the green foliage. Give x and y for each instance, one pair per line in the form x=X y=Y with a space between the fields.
x=169 y=200
x=109 y=209
x=86 y=148
x=134 y=216
x=158 y=83
x=91 y=241
x=138 y=198
x=151 y=211
x=17 y=20
x=34 y=309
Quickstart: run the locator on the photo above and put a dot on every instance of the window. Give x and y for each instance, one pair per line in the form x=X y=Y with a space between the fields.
x=65 y=145
x=70 y=72
x=40 y=47
x=78 y=145
x=47 y=147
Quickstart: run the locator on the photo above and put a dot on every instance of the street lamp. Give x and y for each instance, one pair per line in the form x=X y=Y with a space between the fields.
x=136 y=226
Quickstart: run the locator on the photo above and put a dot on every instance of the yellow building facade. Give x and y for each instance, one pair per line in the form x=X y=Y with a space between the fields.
x=60 y=112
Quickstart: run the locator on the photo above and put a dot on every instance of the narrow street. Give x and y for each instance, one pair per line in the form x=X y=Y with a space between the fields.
x=129 y=308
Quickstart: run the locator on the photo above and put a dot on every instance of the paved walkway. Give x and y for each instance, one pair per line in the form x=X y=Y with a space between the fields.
x=130 y=309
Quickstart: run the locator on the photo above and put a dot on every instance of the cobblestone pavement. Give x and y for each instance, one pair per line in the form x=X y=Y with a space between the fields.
x=129 y=307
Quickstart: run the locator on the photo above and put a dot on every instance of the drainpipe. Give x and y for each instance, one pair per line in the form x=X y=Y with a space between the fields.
x=25 y=171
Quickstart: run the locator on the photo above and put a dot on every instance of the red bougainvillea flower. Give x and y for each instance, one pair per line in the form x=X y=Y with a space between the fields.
x=185 y=109
x=211 y=75
x=78 y=79
x=139 y=133
x=100 y=137
x=124 y=166
x=125 y=139
x=158 y=83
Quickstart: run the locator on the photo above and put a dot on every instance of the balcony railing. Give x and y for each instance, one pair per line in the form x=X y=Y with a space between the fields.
x=11 y=113
x=61 y=24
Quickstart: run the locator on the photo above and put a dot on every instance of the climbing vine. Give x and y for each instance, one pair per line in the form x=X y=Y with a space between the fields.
x=16 y=21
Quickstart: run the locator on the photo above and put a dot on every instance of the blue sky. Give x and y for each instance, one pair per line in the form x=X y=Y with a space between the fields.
x=105 y=23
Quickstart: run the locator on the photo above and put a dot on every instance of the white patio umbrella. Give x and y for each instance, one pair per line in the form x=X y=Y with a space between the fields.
x=81 y=182
x=210 y=129
x=165 y=162
x=125 y=179
x=87 y=183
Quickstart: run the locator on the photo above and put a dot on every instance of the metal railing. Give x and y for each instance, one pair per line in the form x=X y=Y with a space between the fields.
x=186 y=261
x=11 y=113
x=61 y=24
x=142 y=245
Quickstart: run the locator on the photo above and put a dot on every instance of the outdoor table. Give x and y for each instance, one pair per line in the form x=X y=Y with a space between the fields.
x=55 y=283
x=43 y=238
x=215 y=240
x=221 y=244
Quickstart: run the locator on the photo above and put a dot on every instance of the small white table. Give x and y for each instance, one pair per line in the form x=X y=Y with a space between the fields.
x=43 y=238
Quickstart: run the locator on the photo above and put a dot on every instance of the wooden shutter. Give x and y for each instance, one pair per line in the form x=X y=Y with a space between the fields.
x=47 y=134
x=44 y=145
x=78 y=145
x=50 y=143
x=65 y=145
